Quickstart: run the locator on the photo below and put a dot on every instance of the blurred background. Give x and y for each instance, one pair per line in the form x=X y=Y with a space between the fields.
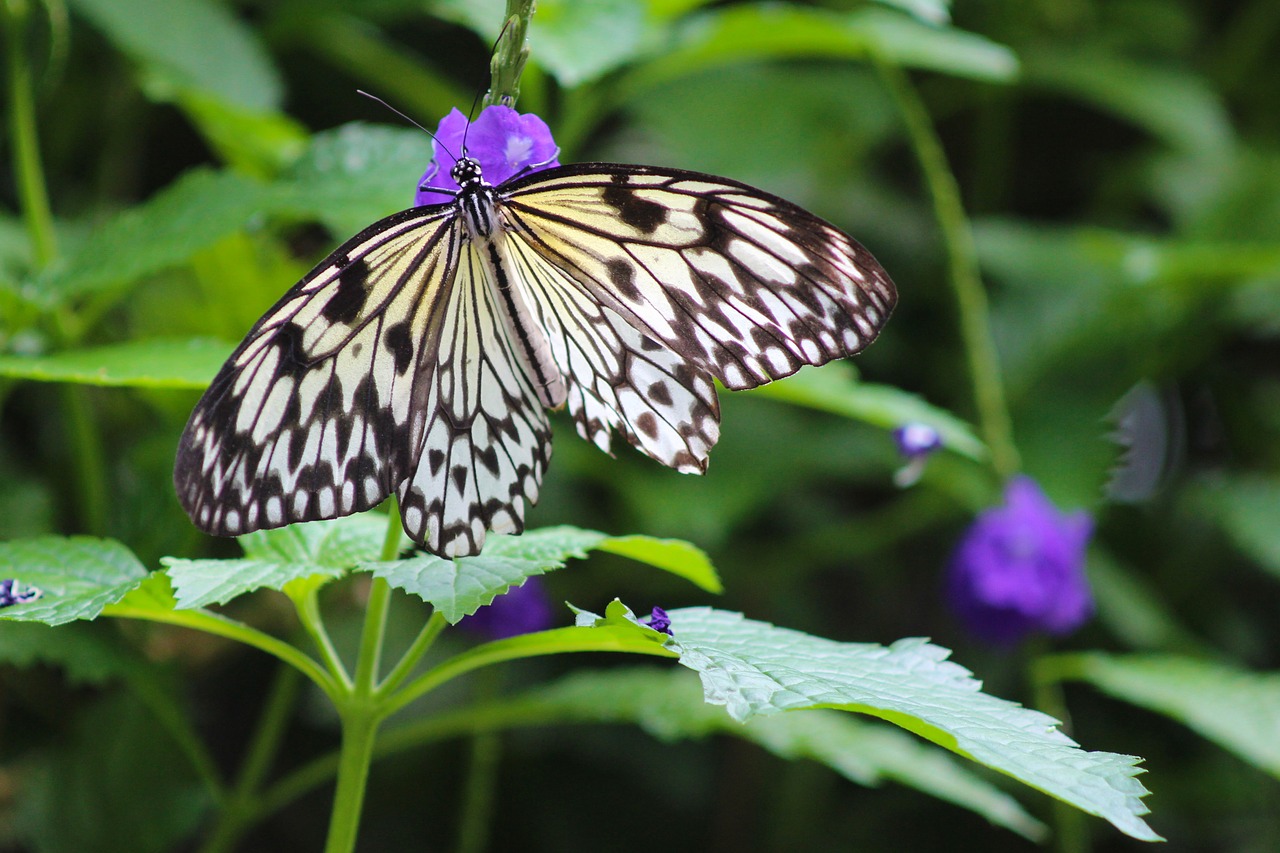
x=1120 y=165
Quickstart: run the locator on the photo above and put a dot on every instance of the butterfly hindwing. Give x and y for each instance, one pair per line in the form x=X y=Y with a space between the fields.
x=617 y=377
x=486 y=441
x=743 y=284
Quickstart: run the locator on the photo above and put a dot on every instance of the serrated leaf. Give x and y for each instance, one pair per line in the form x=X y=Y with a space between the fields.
x=459 y=587
x=1236 y=709
x=276 y=558
x=194 y=44
x=189 y=363
x=835 y=388
x=753 y=668
x=668 y=704
x=77 y=575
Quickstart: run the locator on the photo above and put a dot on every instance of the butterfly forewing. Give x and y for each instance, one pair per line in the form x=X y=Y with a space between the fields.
x=316 y=414
x=418 y=358
x=745 y=285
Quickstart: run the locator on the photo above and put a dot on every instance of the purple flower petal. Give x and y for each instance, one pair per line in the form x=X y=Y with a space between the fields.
x=505 y=142
x=1020 y=568
x=520 y=610
x=660 y=621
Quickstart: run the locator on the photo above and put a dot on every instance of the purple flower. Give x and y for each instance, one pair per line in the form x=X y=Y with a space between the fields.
x=660 y=621
x=1020 y=568
x=916 y=441
x=520 y=610
x=12 y=592
x=504 y=141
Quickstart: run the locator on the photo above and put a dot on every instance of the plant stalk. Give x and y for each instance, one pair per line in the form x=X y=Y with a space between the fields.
x=962 y=257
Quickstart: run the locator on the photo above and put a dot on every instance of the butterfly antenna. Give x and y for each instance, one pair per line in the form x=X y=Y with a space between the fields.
x=434 y=138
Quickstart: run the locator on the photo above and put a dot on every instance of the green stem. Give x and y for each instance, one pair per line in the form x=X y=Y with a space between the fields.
x=221 y=626
x=240 y=807
x=362 y=710
x=308 y=609
x=359 y=730
x=555 y=641
x=510 y=55
x=962 y=257
x=33 y=196
x=178 y=724
x=421 y=645
x=88 y=459
x=1071 y=834
x=482 y=775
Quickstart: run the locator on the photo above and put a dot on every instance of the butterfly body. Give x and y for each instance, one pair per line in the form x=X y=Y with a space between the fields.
x=420 y=358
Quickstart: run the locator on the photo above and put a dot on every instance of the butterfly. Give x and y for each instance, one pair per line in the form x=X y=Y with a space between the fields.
x=421 y=357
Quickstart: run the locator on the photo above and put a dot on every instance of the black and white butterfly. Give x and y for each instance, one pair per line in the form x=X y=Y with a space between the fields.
x=420 y=357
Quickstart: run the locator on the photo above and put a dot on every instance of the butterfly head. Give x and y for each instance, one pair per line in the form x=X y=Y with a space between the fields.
x=466 y=172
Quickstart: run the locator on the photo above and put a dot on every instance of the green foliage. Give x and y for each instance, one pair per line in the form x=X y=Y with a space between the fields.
x=1119 y=161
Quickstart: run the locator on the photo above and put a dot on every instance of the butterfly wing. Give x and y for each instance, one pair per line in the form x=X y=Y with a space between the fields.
x=739 y=283
x=617 y=377
x=381 y=371
x=486 y=441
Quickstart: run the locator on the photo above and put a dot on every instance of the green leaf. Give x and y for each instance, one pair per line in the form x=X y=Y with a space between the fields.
x=1236 y=709
x=673 y=555
x=254 y=141
x=189 y=363
x=752 y=32
x=191 y=214
x=78 y=576
x=668 y=705
x=1170 y=103
x=274 y=558
x=753 y=668
x=460 y=587
x=189 y=44
x=835 y=388
x=356 y=174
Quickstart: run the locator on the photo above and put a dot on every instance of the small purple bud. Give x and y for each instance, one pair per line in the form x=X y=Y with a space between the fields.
x=520 y=610
x=1019 y=568
x=660 y=621
x=505 y=143
x=11 y=593
x=916 y=441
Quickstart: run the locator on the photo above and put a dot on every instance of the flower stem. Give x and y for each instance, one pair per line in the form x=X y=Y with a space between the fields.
x=359 y=730
x=510 y=55
x=361 y=710
x=238 y=811
x=482 y=775
x=421 y=644
x=962 y=257
x=33 y=196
